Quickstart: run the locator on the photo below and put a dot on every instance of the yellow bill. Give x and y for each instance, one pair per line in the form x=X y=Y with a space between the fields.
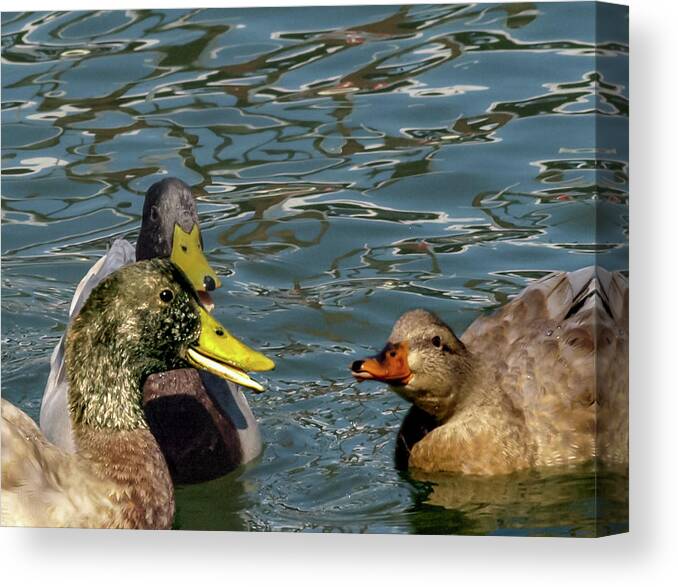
x=188 y=256
x=219 y=352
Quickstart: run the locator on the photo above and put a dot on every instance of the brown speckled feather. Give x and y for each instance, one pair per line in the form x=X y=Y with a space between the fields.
x=125 y=485
x=487 y=437
x=560 y=352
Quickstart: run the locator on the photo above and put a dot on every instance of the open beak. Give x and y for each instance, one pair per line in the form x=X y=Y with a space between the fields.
x=188 y=256
x=219 y=352
x=205 y=300
x=389 y=366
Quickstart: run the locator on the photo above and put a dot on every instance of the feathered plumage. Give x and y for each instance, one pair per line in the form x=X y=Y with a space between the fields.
x=168 y=203
x=541 y=382
x=143 y=319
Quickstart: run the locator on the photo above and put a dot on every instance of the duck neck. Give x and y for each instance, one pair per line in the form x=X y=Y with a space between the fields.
x=105 y=380
x=455 y=394
x=133 y=460
x=478 y=388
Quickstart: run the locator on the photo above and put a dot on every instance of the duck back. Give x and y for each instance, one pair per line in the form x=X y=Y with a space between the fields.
x=127 y=485
x=559 y=351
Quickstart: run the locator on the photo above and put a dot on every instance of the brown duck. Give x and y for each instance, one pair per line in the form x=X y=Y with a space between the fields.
x=541 y=382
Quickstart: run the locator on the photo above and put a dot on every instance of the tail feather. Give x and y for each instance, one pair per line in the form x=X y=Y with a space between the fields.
x=567 y=294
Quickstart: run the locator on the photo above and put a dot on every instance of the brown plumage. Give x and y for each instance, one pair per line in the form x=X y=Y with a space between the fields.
x=541 y=382
x=118 y=479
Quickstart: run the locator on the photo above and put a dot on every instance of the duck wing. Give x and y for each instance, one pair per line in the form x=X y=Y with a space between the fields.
x=120 y=254
x=54 y=418
x=42 y=485
x=559 y=350
x=232 y=402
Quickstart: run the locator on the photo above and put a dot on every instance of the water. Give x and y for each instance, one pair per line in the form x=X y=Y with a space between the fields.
x=350 y=163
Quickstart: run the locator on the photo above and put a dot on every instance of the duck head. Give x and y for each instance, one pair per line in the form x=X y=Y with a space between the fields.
x=423 y=362
x=144 y=318
x=169 y=229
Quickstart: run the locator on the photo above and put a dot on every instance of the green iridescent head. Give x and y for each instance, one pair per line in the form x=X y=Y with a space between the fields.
x=144 y=318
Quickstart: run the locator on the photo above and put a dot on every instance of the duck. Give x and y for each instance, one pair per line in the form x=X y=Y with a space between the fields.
x=204 y=424
x=541 y=382
x=143 y=319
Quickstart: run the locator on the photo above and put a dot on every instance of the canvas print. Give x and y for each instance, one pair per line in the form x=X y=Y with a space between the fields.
x=320 y=269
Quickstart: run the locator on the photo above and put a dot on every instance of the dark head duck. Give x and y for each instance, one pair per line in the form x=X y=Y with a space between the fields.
x=170 y=230
x=144 y=318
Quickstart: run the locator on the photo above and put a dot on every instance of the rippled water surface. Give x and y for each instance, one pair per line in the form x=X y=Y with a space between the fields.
x=350 y=163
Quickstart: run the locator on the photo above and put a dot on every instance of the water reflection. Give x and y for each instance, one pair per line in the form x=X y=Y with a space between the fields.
x=535 y=503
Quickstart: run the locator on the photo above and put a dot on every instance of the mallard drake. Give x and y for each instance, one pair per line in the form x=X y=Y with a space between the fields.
x=204 y=424
x=144 y=318
x=541 y=382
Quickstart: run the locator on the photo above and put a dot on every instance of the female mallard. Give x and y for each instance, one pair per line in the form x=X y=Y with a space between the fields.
x=204 y=424
x=541 y=382
x=145 y=318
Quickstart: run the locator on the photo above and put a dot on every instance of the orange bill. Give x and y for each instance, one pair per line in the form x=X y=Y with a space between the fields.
x=389 y=366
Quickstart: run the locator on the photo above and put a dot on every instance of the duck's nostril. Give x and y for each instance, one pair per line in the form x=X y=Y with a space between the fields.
x=219 y=332
x=209 y=283
x=357 y=366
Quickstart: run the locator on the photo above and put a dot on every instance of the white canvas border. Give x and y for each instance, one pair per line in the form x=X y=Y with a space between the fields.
x=645 y=556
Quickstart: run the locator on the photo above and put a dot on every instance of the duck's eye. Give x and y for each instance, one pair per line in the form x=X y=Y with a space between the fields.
x=154 y=213
x=166 y=295
x=436 y=341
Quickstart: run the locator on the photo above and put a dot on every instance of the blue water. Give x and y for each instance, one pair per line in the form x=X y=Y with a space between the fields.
x=350 y=163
